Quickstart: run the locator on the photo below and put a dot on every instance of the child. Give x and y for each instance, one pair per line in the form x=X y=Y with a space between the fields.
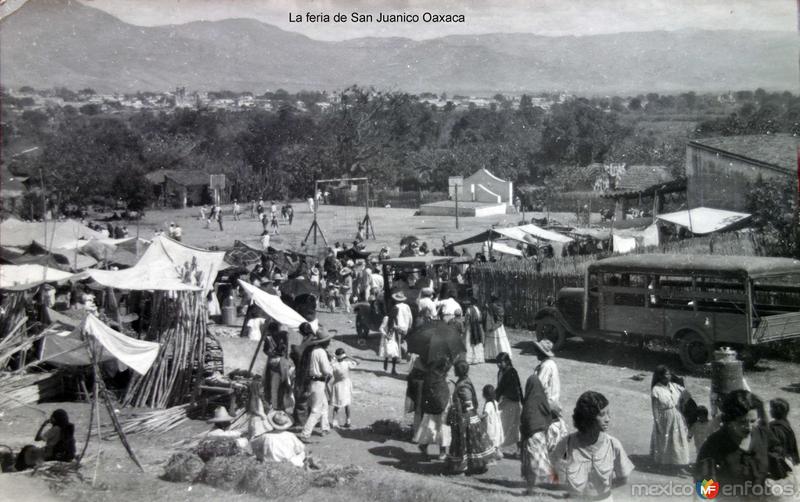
x=701 y=429
x=784 y=448
x=274 y=224
x=389 y=348
x=491 y=419
x=342 y=386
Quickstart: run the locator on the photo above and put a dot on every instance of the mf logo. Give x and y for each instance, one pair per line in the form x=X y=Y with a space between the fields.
x=707 y=489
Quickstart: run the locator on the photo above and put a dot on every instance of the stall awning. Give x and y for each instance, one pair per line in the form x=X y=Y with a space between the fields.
x=68 y=347
x=161 y=268
x=19 y=277
x=275 y=308
x=506 y=249
x=525 y=233
x=704 y=220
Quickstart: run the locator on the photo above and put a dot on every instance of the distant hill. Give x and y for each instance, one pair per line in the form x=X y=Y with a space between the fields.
x=49 y=43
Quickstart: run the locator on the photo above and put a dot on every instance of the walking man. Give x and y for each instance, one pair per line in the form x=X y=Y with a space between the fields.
x=319 y=372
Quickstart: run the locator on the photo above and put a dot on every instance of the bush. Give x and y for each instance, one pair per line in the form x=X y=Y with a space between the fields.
x=183 y=467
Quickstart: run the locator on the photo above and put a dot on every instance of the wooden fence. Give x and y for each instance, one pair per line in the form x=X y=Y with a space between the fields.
x=524 y=289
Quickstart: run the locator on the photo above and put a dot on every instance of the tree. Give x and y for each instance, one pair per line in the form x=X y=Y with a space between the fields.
x=90 y=109
x=635 y=104
x=133 y=188
x=774 y=208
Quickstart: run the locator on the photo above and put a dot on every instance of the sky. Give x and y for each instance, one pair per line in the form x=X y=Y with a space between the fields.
x=545 y=17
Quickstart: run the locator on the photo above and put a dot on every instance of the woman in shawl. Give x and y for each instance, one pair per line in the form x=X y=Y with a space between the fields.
x=433 y=428
x=496 y=340
x=541 y=429
x=473 y=333
x=414 y=385
x=470 y=449
x=669 y=441
x=509 y=397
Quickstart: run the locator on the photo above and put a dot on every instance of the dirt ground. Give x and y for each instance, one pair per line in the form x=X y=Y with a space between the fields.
x=393 y=469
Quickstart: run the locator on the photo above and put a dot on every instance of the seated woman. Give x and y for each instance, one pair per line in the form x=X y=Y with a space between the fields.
x=267 y=433
x=59 y=438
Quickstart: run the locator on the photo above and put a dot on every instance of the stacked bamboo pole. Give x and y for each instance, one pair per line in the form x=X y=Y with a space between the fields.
x=178 y=323
x=157 y=422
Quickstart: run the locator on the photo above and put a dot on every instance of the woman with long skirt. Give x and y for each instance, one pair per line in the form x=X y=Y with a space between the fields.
x=470 y=449
x=496 y=340
x=473 y=333
x=669 y=441
x=509 y=396
x=541 y=429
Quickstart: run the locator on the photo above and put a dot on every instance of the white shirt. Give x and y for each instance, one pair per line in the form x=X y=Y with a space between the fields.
x=426 y=307
x=404 y=317
x=449 y=307
x=177 y=231
x=320 y=364
x=547 y=371
x=282 y=447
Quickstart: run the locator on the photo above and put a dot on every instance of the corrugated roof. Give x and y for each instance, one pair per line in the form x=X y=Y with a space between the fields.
x=779 y=150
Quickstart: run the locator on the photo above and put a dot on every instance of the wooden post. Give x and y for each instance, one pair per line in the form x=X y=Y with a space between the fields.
x=456 y=192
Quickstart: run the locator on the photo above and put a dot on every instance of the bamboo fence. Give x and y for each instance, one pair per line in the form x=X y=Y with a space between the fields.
x=524 y=290
x=179 y=322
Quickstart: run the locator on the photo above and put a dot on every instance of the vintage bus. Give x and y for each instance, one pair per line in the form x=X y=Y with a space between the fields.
x=698 y=302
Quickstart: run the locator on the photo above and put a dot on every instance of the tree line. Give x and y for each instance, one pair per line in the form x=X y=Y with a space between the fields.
x=395 y=138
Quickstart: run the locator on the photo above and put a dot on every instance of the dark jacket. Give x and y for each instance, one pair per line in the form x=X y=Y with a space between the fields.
x=783 y=445
x=721 y=459
x=435 y=392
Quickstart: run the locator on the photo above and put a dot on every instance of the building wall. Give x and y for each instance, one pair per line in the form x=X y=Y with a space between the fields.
x=471 y=192
x=182 y=196
x=719 y=181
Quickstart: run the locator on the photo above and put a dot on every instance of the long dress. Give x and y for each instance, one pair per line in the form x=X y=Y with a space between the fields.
x=669 y=441
x=390 y=346
x=509 y=395
x=541 y=430
x=470 y=448
x=491 y=420
x=433 y=428
x=342 y=392
x=473 y=335
x=547 y=371
x=496 y=340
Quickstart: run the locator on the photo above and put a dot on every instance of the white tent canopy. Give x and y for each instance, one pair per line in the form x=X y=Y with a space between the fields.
x=506 y=249
x=27 y=276
x=704 y=220
x=68 y=347
x=158 y=269
x=525 y=233
x=52 y=234
x=275 y=308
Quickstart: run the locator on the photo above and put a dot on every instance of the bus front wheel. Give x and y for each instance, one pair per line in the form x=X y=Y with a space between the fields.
x=550 y=329
x=695 y=352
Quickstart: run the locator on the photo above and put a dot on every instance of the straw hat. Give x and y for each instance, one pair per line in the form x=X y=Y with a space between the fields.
x=345 y=271
x=426 y=291
x=350 y=263
x=545 y=347
x=399 y=297
x=220 y=416
x=279 y=420
x=319 y=338
x=314 y=271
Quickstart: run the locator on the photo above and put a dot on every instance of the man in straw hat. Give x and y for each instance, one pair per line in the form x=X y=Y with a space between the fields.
x=401 y=318
x=319 y=371
x=547 y=371
x=222 y=421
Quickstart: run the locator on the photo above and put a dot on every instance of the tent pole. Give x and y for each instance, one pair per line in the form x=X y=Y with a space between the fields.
x=91 y=419
x=255 y=354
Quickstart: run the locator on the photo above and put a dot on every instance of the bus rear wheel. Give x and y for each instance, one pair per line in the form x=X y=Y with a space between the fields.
x=695 y=351
x=549 y=328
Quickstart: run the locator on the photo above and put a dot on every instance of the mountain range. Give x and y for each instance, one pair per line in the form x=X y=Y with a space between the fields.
x=49 y=43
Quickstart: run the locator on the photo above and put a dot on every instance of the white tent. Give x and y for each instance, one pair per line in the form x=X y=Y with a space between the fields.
x=704 y=220
x=524 y=233
x=506 y=249
x=70 y=347
x=275 y=308
x=27 y=276
x=159 y=269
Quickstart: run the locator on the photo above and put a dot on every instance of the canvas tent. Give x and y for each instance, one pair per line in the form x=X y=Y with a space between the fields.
x=19 y=277
x=524 y=233
x=506 y=249
x=275 y=308
x=68 y=347
x=705 y=220
x=51 y=234
x=163 y=268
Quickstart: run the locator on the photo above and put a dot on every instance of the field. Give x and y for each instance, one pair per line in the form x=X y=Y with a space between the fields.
x=393 y=469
